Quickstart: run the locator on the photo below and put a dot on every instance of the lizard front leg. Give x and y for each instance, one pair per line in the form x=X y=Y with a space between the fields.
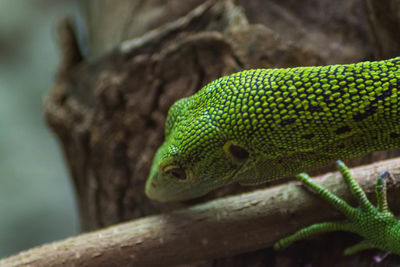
x=378 y=225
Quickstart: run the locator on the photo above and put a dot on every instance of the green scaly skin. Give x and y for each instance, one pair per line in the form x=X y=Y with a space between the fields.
x=377 y=225
x=259 y=125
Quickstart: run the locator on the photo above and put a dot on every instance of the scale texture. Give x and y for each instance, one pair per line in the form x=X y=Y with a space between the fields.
x=258 y=125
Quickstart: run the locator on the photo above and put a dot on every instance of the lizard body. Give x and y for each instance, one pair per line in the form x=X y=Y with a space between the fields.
x=258 y=125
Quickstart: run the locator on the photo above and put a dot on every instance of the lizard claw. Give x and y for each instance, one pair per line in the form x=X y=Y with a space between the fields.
x=377 y=225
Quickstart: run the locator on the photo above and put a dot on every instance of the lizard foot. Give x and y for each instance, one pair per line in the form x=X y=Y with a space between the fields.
x=378 y=225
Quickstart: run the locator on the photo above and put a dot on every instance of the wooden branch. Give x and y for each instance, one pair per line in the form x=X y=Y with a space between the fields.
x=214 y=229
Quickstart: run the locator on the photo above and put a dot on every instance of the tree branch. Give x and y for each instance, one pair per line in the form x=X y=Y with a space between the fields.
x=214 y=229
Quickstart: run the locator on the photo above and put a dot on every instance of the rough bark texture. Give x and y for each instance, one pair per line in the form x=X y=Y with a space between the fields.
x=212 y=229
x=108 y=108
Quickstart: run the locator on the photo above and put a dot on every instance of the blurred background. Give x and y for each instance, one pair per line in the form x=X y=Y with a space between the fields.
x=36 y=197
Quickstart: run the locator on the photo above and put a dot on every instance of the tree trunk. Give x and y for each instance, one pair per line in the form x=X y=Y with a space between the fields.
x=108 y=107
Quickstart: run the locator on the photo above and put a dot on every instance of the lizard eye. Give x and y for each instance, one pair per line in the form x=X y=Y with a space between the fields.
x=175 y=172
x=235 y=152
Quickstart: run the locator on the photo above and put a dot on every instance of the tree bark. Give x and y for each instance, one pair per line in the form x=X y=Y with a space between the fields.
x=108 y=106
x=212 y=229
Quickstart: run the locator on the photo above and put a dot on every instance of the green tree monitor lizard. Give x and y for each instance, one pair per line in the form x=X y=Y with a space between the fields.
x=259 y=125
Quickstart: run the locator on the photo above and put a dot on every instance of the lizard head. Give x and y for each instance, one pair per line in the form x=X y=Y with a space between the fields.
x=192 y=160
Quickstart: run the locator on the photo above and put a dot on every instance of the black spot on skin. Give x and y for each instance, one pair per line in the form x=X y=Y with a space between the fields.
x=327 y=99
x=343 y=130
x=394 y=135
x=288 y=121
x=341 y=146
x=369 y=110
x=315 y=108
x=308 y=136
x=384 y=94
x=372 y=108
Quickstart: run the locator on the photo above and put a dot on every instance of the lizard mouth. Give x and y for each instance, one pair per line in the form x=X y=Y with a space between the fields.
x=194 y=192
x=170 y=192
